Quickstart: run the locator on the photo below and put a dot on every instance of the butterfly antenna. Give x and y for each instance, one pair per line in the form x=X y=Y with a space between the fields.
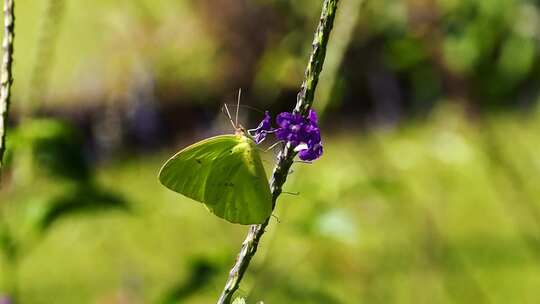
x=249 y=107
x=229 y=115
x=238 y=105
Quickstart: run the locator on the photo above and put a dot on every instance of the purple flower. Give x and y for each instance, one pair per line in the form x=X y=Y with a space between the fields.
x=263 y=129
x=312 y=152
x=291 y=127
x=303 y=134
x=312 y=116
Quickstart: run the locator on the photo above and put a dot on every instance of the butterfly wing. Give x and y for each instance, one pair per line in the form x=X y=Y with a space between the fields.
x=226 y=174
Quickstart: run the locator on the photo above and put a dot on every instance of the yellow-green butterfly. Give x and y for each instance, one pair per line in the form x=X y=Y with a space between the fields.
x=226 y=174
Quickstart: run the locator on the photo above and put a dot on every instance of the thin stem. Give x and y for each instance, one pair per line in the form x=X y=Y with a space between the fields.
x=6 y=77
x=49 y=30
x=286 y=156
x=342 y=36
x=6 y=80
x=316 y=61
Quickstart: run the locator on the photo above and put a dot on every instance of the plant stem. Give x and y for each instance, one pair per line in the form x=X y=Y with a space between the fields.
x=49 y=30
x=6 y=77
x=286 y=155
x=316 y=61
x=342 y=37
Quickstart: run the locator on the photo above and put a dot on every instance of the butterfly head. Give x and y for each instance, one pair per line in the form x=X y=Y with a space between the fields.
x=239 y=130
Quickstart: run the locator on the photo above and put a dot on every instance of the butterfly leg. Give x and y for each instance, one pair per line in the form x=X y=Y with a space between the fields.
x=291 y=193
x=274 y=145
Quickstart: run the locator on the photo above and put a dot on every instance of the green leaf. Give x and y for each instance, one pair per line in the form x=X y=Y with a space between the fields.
x=7 y=243
x=55 y=148
x=226 y=174
x=82 y=199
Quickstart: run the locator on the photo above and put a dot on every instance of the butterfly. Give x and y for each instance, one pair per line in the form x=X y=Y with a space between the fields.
x=225 y=173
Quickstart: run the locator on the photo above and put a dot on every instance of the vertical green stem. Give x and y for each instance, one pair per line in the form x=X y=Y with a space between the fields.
x=6 y=77
x=49 y=30
x=286 y=155
x=316 y=61
x=342 y=36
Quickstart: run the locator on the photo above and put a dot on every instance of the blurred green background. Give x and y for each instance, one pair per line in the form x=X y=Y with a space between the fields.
x=427 y=192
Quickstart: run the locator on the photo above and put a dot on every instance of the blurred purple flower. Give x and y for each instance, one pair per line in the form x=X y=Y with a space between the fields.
x=5 y=300
x=259 y=133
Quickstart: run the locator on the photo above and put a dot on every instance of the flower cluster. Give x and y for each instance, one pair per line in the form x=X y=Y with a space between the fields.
x=301 y=132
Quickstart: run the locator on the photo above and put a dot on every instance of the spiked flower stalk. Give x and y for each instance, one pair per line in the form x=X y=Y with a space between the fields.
x=6 y=77
x=286 y=155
